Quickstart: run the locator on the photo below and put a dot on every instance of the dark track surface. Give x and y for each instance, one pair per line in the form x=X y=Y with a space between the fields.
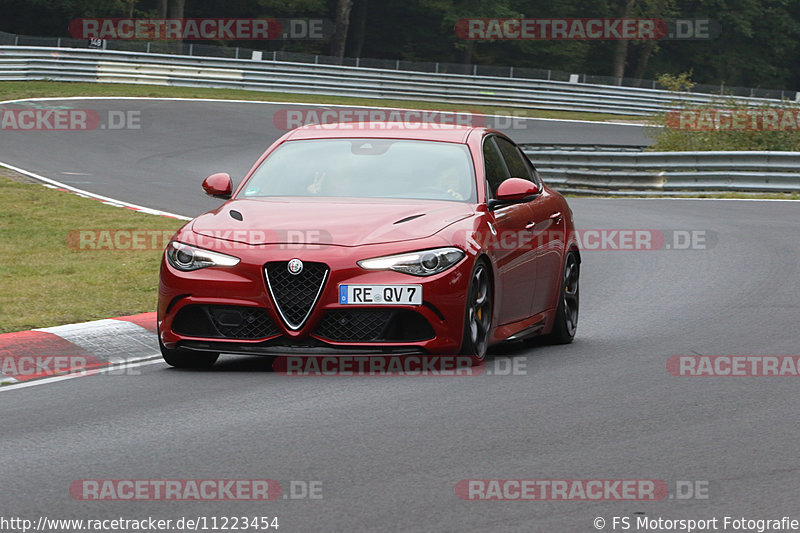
x=162 y=164
x=390 y=451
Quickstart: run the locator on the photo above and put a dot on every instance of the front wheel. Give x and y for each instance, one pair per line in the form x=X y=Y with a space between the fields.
x=478 y=314
x=187 y=358
x=566 y=321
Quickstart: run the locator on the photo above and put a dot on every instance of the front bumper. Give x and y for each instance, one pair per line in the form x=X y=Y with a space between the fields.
x=231 y=310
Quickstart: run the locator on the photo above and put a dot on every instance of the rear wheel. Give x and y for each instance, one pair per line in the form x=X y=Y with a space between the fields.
x=566 y=321
x=478 y=314
x=187 y=358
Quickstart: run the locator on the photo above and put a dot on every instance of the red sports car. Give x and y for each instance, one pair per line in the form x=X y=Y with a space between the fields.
x=373 y=238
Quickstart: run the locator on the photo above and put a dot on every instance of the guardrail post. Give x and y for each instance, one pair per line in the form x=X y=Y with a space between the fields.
x=358 y=62
x=511 y=72
x=474 y=70
x=237 y=53
x=437 y=67
x=58 y=44
x=274 y=55
x=16 y=40
x=191 y=48
x=148 y=47
x=548 y=74
x=397 y=66
x=316 y=59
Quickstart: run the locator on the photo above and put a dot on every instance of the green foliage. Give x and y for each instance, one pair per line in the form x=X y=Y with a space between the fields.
x=681 y=82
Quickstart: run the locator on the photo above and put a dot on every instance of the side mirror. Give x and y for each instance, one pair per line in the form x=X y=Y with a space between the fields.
x=514 y=191
x=218 y=185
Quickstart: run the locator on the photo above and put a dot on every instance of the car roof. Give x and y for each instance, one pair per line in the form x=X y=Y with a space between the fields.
x=385 y=130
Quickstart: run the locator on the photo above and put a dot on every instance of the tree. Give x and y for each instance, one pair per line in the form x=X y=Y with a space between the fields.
x=339 y=40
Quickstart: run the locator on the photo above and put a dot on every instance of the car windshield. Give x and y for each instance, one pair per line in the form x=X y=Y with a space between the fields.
x=366 y=168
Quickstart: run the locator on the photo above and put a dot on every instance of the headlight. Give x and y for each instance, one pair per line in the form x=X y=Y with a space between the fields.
x=185 y=257
x=422 y=263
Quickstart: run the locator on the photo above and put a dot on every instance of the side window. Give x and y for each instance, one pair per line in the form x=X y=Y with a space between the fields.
x=493 y=165
x=514 y=159
x=537 y=179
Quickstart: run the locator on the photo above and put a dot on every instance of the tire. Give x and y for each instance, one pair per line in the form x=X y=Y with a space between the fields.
x=478 y=313
x=187 y=358
x=566 y=321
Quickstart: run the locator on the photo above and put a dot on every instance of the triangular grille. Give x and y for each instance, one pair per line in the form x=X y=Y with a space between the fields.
x=295 y=295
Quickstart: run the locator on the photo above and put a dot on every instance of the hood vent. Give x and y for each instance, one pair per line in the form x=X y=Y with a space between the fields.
x=412 y=217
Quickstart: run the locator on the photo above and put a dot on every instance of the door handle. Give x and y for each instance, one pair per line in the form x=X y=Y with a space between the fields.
x=530 y=225
x=556 y=217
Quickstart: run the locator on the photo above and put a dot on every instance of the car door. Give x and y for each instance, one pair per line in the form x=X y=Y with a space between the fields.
x=515 y=264
x=547 y=233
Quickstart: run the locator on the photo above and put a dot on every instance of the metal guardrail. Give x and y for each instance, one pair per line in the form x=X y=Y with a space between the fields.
x=73 y=64
x=562 y=147
x=500 y=71
x=667 y=173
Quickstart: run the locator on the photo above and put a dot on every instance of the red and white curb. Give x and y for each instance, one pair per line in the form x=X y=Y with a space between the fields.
x=77 y=349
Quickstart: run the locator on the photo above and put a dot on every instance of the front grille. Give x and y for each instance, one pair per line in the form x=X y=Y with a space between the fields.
x=295 y=295
x=224 y=321
x=373 y=325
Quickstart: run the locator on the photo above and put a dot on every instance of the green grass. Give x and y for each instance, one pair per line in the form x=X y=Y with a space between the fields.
x=14 y=90
x=46 y=282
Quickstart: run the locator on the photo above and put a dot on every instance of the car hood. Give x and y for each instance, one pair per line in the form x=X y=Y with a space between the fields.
x=354 y=223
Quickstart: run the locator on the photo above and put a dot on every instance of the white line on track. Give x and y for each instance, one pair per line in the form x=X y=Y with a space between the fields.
x=106 y=199
x=133 y=363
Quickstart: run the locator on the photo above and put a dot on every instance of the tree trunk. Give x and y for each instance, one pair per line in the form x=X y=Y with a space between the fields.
x=339 y=41
x=466 y=54
x=621 y=48
x=176 y=8
x=176 y=12
x=360 y=27
x=645 y=53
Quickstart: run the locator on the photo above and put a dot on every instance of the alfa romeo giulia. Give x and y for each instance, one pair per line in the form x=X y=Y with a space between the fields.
x=373 y=238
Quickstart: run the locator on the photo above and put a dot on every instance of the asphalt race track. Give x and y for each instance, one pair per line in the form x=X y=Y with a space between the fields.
x=390 y=451
x=178 y=143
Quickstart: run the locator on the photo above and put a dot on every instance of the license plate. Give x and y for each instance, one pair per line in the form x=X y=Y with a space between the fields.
x=380 y=294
